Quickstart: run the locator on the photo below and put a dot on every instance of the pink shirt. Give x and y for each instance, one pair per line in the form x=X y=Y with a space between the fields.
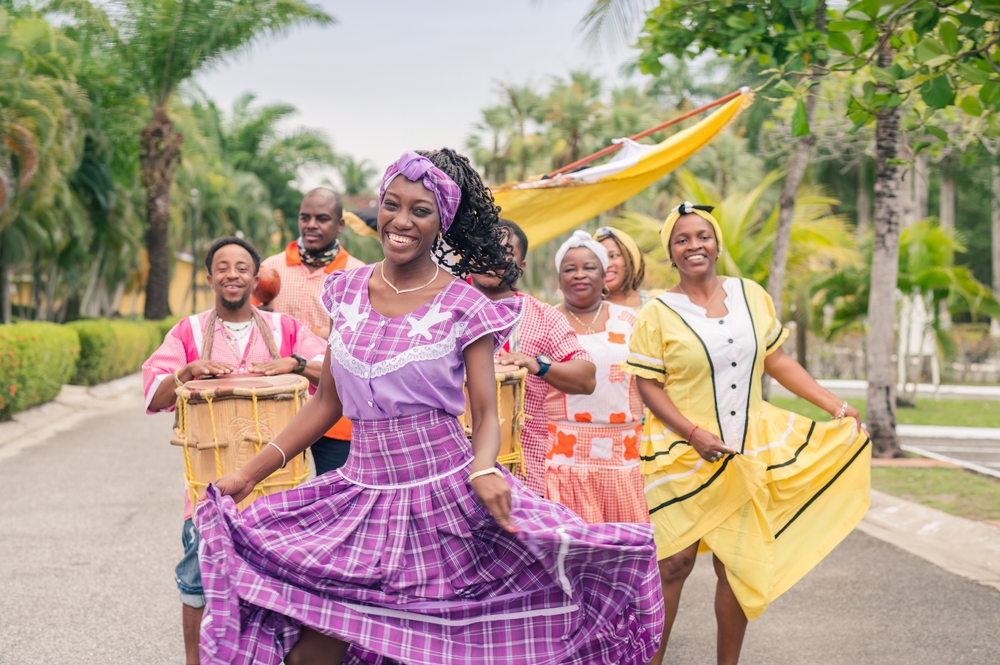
x=184 y=342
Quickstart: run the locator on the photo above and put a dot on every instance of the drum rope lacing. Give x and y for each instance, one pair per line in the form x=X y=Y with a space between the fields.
x=300 y=467
x=516 y=457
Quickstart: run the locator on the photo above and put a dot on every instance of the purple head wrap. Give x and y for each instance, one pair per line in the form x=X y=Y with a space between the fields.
x=418 y=168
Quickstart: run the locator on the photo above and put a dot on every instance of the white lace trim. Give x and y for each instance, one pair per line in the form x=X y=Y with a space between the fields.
x=362 y=370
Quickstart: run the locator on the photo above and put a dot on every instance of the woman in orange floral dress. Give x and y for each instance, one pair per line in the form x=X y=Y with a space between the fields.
x=592 y=465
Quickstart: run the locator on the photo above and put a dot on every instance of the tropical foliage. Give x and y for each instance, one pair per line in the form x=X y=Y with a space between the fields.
x=73 y=207
x=162 y=44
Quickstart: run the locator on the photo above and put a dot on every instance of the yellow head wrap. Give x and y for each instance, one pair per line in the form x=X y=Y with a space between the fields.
x=688 y=208
x=625 y=239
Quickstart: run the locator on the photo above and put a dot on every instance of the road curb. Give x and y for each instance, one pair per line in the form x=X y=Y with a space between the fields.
x=960 y=546
x=73 y=405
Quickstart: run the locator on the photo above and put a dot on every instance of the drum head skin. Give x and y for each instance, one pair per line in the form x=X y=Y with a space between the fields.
x=243 y=385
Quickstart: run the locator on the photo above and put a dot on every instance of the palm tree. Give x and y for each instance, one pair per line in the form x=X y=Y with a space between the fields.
x=493 y=154
x=821 y=241
x=356 y=175
x=573 y=112
x=251 y=140
x=928 y=277
x=525 y=105
x=164 y=43
x=41 y=138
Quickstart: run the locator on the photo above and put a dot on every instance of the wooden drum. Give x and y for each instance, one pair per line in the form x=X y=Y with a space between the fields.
x=222 y=423
x=510 y=408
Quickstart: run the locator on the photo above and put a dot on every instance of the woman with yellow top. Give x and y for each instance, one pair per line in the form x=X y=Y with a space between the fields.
x=768 y=492
x=626 y=269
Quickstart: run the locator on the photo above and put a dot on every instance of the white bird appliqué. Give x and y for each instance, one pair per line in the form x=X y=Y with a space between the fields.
x=422 y=326
x=352 y=315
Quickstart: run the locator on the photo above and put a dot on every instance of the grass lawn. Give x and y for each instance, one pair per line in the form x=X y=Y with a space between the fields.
x=954 y=491
x=964 y=413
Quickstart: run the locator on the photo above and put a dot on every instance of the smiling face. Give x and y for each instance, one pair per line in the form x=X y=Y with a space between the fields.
x=232 y=277
x=408 y=221
x=581 y=278
x=320 y=219
x=617 y=271
x=693 y=246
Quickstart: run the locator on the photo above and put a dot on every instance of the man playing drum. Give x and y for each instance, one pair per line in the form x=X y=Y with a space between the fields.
x=231 y=338
x=303 y=268
x=544 y=343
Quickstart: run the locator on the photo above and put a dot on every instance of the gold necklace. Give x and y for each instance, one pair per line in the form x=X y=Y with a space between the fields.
x=718 y=286
x=437 y=269
x=589 y=327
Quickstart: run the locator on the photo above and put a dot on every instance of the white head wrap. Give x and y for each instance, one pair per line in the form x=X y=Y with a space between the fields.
x=582 y=239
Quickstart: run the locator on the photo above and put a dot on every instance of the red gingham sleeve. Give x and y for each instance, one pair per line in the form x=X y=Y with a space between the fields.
x=307 y=344
x=563 y=342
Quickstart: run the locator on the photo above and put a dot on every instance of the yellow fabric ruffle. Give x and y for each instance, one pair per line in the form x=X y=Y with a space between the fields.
x=771 y=514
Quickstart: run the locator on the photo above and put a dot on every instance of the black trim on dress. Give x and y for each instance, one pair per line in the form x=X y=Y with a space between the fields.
x=650 y=458
x=711 y=365
x=798 y=450
x=678 y=499
x=753 y=365
x=823 y=489
x=776 y=339
x=647 y=367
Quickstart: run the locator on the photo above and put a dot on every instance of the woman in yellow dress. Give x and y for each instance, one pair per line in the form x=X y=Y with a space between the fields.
x=768 y=492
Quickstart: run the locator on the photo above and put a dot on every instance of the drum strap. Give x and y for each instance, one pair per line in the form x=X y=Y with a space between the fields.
x=262 y=328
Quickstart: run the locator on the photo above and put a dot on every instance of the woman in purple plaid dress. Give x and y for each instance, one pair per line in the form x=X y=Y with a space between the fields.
x=421 y=549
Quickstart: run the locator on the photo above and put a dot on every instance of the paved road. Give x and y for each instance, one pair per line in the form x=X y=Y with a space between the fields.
x=89 y=534
x=984 y=452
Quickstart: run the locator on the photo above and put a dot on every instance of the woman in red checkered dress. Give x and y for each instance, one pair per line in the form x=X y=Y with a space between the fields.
x=592 y=465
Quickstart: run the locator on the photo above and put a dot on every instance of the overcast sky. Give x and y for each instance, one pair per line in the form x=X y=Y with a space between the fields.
x=396 y=75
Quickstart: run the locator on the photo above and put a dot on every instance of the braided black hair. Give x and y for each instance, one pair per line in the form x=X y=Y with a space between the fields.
x=474 y=243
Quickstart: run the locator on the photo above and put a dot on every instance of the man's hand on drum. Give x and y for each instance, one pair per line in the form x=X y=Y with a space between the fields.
x=494 y=493
x=710 y=447
x=520 y=360
x=276 y=367
x=207 y=368
x=234 y=485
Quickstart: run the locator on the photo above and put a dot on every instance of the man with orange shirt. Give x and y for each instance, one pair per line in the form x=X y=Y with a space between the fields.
x=304 y=266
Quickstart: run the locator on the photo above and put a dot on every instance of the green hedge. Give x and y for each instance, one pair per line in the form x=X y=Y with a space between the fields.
x=112 y=349
x=36 y=359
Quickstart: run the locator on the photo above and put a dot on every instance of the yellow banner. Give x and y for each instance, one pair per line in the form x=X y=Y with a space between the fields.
x=545 y=210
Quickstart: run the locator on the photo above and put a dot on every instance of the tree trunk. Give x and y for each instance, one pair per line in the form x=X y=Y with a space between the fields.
x=864 y=200
x=921 y=182
x=946 y=218
x=790 y=189
x=995 y=242
x=6 y=272
x=881 y=406
x=801 y=317
x=159 y=154
x=947 y=209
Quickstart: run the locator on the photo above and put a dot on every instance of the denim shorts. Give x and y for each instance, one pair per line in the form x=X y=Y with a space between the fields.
x=187 y=574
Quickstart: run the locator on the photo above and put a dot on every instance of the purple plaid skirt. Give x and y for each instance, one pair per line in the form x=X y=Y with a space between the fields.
x=394 y=554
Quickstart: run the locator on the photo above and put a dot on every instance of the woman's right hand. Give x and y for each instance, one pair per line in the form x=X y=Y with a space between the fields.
x=710 y=447
x=234 y=485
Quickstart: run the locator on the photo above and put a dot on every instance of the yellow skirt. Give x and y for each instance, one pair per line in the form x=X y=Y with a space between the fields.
x=770 y=514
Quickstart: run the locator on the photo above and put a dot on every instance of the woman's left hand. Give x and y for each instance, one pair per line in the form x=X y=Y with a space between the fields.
x=851 y=412
x=494 y=493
